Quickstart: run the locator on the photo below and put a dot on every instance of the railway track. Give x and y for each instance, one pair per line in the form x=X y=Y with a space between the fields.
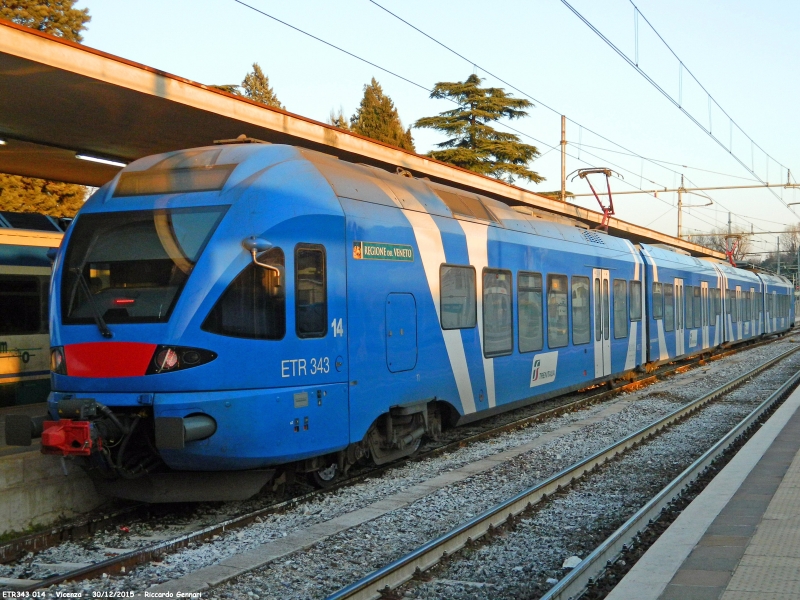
x=126 y=561
x=414 y=564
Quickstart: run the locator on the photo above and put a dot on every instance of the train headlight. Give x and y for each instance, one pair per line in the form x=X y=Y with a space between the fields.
x=58 y=364
x=167 y=359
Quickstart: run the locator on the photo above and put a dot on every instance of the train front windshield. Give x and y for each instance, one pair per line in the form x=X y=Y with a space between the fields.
x=131 y=266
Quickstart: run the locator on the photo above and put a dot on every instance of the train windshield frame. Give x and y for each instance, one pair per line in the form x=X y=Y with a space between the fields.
x=135 y=263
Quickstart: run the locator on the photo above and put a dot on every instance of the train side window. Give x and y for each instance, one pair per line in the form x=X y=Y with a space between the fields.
x=669 y=307
x=743 y=306
x=458 y=297
x=498 y=334
x=729 y=303
x=557 y=315
x=310 y=291
x=253 y=306
x=529 y=307
x=658 y=301
x=620 y=308
x=636 y=301
x=749 y=306
x=689 y=313
x=581 y=311
x=715 y=304
x=20 y=302
x=753 y=305
x=696 y=307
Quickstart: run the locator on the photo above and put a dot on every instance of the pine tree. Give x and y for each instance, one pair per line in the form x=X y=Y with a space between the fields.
x=57 y=17
x=377 y=118
x=338 y=119
x=27 y=194
x=256 y=87
x=474 y=144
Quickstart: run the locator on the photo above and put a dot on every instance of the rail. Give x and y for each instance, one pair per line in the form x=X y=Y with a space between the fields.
x=156 y=551
x=423 y=558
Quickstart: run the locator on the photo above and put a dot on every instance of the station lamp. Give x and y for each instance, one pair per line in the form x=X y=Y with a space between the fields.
x=104 y=161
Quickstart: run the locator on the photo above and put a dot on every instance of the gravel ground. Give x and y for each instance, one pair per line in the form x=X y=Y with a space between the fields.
x=519 y=563
x=342 y=558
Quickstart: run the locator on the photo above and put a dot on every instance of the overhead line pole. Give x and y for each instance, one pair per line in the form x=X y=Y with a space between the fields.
x=563 y=158
x=680 y=210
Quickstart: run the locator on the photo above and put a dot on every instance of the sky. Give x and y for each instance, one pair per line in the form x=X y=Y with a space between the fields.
x=743 y=53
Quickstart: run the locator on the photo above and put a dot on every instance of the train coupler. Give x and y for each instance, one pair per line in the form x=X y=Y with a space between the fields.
x=68 y=438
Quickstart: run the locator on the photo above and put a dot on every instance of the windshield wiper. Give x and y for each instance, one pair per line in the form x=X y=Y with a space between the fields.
x=98 y=318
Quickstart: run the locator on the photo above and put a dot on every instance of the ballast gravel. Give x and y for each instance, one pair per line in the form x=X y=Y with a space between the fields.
x=344 y=557
x=526 y=561
x=518 y=565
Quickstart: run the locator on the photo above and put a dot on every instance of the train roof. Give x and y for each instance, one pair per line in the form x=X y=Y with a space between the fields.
x=774 y=279
x=667 y=257
x=355 y=181
x=734 y=272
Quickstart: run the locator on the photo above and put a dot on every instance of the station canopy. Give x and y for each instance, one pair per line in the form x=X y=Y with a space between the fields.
x=60 y=100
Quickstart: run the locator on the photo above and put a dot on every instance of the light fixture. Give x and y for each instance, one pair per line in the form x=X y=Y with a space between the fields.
x=3 y=142
x=104 y=161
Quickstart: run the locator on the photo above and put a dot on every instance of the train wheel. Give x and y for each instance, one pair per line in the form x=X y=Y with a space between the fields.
x=325 y=477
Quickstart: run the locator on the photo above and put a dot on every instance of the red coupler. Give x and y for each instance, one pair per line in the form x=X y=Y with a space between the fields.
x=67 y=437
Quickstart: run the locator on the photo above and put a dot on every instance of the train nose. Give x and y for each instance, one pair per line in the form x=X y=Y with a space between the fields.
x=127 y=359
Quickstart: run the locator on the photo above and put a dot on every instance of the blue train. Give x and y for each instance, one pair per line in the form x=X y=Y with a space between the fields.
x=223 y=314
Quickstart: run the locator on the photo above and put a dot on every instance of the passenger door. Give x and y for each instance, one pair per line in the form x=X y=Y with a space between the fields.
x=737 y=312
x=704 y=311
x=601 y=298
x=679 y=317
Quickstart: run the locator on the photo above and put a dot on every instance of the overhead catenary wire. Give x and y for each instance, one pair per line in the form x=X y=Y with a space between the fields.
x=425 y=88
x=510 y=85
x=529 y=96
x=580 y=144
x=678 y=104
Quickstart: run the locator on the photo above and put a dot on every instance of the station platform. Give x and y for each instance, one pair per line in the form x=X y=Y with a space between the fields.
x=37 y=490
x=740 y=538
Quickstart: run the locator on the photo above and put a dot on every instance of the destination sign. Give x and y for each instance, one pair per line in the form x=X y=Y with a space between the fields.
x=379 y=251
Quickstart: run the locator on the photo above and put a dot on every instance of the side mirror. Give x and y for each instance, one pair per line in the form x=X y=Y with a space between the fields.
x=256 y=246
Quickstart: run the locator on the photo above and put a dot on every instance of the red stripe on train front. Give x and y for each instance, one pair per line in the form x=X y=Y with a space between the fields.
x=108 y=359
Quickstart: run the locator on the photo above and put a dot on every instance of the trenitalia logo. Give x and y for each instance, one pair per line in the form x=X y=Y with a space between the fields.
x=536 y=365
x=544 y=368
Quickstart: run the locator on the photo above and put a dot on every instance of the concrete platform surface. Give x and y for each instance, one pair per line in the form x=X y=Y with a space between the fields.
x=740 y=538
